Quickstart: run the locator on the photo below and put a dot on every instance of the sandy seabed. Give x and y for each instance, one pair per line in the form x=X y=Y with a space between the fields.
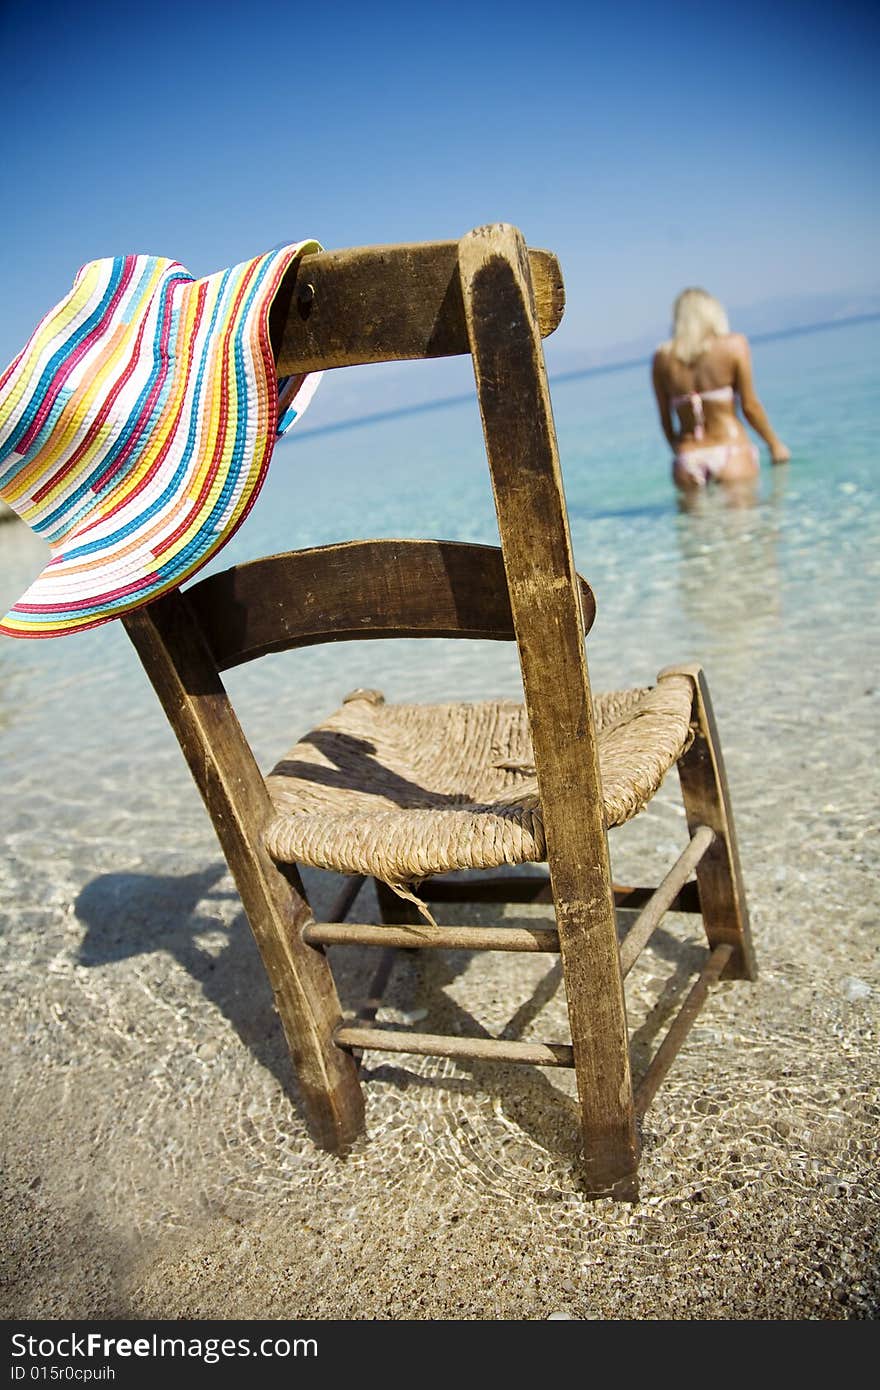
x=157 y=1163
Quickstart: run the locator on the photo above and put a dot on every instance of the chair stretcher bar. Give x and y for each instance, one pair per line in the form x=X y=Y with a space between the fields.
x=679 y=1029
x=425 y=936
x=535 y=888
x=660 y=902
x=527 y=939
x=543 y=1054
x=440 y=1045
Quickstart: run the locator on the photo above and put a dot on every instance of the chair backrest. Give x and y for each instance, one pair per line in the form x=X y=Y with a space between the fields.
x=490 y=296
x=386 y=304
x=487 y=295
x=357 y=591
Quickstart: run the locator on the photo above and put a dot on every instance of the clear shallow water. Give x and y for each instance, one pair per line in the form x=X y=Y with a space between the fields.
x=790 y=576
x=145 y=1067
x=776 y=597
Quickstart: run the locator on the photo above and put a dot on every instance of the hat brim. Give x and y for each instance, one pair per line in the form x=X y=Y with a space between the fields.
x=174 y=472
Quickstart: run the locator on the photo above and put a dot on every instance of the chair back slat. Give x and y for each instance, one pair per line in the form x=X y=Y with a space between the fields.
x=386 y=304
x=362 y=589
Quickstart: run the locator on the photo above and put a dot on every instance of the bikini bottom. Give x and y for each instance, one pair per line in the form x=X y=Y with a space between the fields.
x=703 y=464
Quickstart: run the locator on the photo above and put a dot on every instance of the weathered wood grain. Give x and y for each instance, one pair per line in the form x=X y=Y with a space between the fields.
x=533 y=522
x=707 y=802
x=385 y=304
x=443 y=1045
x=178 y=663
x=425 y=936
x=355 y=591
x=535 y=888
x=661 y=900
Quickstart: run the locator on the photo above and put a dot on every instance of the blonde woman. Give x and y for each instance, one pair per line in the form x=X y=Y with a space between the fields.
x=699 y=374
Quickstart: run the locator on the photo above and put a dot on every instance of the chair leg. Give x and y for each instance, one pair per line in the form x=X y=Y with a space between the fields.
x=308 y=1006
x=183 y=673
x=548 y=619
x=707 y=802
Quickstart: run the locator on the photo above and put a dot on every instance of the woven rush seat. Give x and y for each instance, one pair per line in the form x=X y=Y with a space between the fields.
x=405 y=791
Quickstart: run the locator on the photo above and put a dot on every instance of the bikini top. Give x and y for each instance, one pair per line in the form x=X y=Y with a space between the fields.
x=695 y=400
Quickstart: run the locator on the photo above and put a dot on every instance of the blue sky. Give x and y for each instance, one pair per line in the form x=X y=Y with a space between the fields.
x=650 y=145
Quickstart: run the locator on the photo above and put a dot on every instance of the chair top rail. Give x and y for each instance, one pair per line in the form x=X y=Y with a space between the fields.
x=386 y=304
x=354 y=591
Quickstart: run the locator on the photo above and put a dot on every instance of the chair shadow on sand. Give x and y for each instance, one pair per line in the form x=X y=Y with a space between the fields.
x=128 y=915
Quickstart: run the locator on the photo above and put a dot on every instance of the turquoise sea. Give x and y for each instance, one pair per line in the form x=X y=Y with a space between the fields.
x=782 y=581
x=154 y=1162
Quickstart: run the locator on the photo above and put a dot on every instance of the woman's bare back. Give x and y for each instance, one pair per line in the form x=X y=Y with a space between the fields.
x=704 y=395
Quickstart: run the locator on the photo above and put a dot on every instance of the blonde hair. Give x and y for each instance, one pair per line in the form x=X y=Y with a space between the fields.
x=697 y=318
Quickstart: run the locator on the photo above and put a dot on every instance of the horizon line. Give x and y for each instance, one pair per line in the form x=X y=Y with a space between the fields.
x=601 y=369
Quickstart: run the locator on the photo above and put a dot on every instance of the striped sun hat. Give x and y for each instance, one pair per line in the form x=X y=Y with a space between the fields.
x=136 y=426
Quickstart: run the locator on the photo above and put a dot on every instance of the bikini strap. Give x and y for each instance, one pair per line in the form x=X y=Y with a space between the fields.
x=696 y=404
x=695 y=401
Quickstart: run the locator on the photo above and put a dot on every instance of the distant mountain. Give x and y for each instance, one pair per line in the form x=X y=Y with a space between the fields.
x=781 y=314
x=789 y=312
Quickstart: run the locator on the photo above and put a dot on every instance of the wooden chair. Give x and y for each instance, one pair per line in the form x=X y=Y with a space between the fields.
x=408 y=794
